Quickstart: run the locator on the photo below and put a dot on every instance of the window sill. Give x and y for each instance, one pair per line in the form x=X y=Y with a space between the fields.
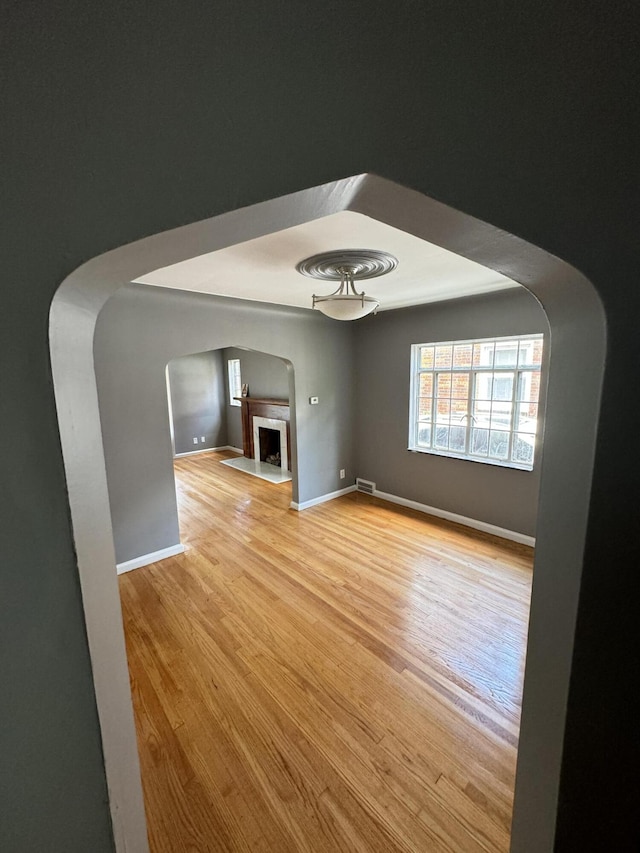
x=496 y=462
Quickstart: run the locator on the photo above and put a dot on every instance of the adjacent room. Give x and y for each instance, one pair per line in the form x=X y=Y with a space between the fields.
x=331 y=661
x=211 y=407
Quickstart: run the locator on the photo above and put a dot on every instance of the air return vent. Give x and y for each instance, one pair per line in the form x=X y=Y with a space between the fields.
x=365 y=486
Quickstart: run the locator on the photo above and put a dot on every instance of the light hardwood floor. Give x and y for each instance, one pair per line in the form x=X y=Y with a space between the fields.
x=347 y=678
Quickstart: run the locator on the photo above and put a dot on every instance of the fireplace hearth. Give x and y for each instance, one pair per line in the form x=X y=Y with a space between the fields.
x=265 y=439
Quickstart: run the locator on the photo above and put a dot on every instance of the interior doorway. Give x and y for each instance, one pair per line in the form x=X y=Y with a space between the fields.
x=212 y=400
x=578 y=337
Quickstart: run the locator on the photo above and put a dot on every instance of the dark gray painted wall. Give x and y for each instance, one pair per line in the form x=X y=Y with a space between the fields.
x=150 y=326
x=501 y=496
x=265 y=375
x=524 y=115
x=197 y=383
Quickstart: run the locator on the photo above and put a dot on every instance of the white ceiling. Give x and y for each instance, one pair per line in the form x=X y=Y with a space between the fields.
x=264 y=269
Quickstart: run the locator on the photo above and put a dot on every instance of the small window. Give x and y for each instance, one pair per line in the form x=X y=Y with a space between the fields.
x=235 y=380
x=477 y=399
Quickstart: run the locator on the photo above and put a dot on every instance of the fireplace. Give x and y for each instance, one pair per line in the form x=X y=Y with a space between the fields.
x=270 y=441
x=270 y=446
x=266 y=414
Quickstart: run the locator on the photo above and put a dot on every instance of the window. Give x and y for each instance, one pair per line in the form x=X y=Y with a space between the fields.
x=477 y=399
x=235 y=380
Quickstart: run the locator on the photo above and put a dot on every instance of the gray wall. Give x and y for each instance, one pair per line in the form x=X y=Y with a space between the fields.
x=502 y=496
x=265 y=375
x=197 y=385
x=150 y=326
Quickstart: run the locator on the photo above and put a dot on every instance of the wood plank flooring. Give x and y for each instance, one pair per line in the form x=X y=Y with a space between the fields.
x=347 y=678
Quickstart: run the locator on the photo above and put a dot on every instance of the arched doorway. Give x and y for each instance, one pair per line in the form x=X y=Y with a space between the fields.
x=577 y=340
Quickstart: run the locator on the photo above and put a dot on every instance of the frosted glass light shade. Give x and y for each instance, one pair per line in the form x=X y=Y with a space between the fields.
x=346 y=307
x=347 y=266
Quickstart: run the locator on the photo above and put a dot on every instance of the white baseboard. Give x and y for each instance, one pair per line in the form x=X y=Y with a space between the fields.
x=484 y=526
x=322 y=499
x=147 y=559
x=208 y=450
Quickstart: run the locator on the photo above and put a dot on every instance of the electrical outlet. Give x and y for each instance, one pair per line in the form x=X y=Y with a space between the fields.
x=342 y=473
x=202 y=439
x=195 y=439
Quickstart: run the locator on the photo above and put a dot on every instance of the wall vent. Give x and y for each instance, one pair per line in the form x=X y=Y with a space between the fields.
x=365 y=486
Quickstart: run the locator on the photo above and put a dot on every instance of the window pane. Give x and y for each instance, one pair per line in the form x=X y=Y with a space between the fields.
x=501 y=416
x=462 y=355
x=444 y=385
x=460 y=385
x=481 y=413
x=525 y=354
x=530 y=354
x=483 y=354
x=457 y=438
x=498 y=444
x=443 y=411
x=442 y=438
x=426 y=357
x=480 y=441
x=426 y=384
x=443 y=356
x=537 y=352
x=523 y=447
x=424 y=408
x=503 y=386
x=459 y=409
x=235 y=380
x=527 y=417
x=529 y=385
x=506 y=354
x=483 y=386
x=424 y=435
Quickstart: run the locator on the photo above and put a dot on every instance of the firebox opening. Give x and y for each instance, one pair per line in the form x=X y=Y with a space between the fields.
x=270 y=446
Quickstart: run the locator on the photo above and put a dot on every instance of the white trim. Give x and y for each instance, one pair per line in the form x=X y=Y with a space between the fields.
x=147 y=559
x=170 y=409
x=208 y=450
x=484 y=526
x=322 y=499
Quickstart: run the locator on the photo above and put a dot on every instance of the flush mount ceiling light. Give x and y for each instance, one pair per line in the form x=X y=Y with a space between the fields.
x=347 y=266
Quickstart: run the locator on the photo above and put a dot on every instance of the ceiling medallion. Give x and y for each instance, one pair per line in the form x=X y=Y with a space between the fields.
x=347 y=266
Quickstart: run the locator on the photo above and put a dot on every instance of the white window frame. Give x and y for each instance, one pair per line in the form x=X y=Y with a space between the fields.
x=521 y=373
x=235 y=380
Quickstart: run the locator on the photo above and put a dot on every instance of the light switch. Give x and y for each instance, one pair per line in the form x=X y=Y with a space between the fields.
x=313 y=401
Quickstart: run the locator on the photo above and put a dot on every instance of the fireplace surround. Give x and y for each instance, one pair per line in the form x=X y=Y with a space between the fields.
x=257 y=412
